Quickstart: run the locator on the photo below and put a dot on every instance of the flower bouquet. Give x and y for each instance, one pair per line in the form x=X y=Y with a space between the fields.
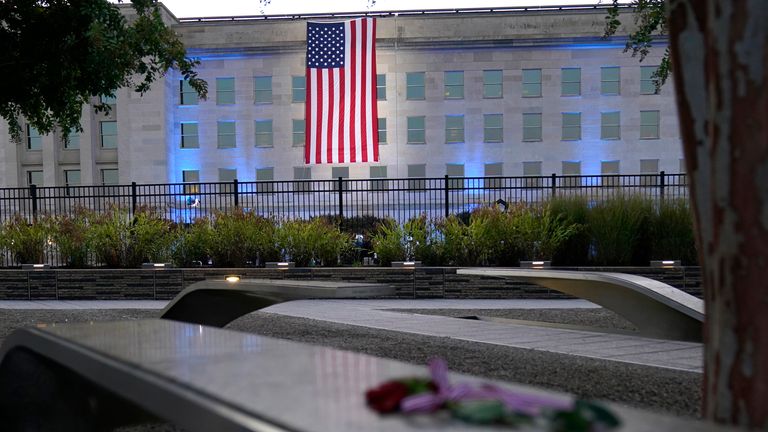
x=488 y=404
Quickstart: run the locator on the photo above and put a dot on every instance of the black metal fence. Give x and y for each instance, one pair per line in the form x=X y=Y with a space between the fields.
x=399 y=199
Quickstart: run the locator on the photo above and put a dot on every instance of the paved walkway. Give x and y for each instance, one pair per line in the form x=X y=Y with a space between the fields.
x=685 y=356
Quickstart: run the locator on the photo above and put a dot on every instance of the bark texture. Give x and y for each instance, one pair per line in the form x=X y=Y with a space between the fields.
x=720 y=56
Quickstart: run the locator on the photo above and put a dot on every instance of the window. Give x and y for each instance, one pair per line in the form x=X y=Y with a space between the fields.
x=414 y=83
x=381 y=87
x=532 y=169
x=416 y=133
x=649 y=167
x=227 y=175
x=34 y=139
x=109 y=177
x=191 y=176
x=189 y=137
x=266 y=175
x=342 y=172
x=493 y=170
x=382 y=130
x=187 y=95
x=298 y=89
x=570 y=84
x=647 y=83
x=609 y=81
x=454 y=85
x=455 y=170
x=262 y=89
x=416 y=174
x=73 y=140
x=299 y=137
x=302 y=173
x=571 y=126
x=34 y=178
x=531 y=82
x=108 y=134
x=649 y=125
x=108 y=100
x=610 y=169
x=225 y=134
x=225 y=91
x=264 y=137
x=377 y=173
x=72 y=177
x=493 y=129
x=610 y=125
x=571 y=168
x=531 y=126
x=454 y=129
x=493 y=87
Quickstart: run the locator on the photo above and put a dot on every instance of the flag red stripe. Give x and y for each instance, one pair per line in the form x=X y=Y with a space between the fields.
x=353 y=95
x=374 y=105
x=342 y=118
x=329 y=113
x=365 y=81
x=319 y=118
x=307 y=117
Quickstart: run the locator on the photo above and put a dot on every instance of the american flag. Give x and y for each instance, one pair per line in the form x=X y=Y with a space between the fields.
x=341 y=118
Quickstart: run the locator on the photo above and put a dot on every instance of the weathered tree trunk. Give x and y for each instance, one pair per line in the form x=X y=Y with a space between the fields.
x=720 y=56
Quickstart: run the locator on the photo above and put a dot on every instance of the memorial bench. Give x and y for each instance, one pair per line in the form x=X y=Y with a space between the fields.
x=97 y=376
x=657 y=309
x=217 y=302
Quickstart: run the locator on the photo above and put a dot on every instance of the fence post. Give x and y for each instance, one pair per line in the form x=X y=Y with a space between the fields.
x=662 y=182
x=554 y=185
x=133 y=198
x=33 y=196
x=236 y=192
x=341 y=198
x=447 y=197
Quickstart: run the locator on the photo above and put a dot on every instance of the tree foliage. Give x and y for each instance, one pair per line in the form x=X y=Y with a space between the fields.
x=55 y=55
x=650 y=18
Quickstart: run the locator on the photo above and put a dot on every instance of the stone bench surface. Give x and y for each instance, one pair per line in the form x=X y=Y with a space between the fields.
x=217 y=302
x=657 y=309
x=203 y=379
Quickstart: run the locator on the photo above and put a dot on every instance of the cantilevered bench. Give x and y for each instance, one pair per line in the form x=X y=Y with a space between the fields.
x=657 y=309
x=97 y=376
x=219 y=302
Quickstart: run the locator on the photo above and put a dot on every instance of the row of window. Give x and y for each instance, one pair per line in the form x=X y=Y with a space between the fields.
x=109 y=176
x=107 y=137
x=453 y=85
x=493 y=129
x=377 y=173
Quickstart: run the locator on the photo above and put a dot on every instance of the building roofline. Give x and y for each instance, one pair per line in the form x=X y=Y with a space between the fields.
x=402 y=13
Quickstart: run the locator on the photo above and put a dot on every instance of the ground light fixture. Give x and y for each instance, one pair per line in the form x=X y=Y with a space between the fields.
x=280 y=265
x=156 y=266
x=535 y=264
x=35 y=266
x=666 y=264
x=232 y=278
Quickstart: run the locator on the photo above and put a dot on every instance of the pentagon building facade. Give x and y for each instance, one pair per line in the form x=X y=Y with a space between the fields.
x=466 y=93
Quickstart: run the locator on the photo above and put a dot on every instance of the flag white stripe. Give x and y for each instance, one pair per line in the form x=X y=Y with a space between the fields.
x=314 y=119
x=358 y=138
x=369 y=85
x=335 y=120
x=347 y=90
x=324 y=119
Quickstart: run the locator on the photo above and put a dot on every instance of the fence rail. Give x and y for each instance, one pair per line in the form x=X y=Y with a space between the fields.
x=399 y=199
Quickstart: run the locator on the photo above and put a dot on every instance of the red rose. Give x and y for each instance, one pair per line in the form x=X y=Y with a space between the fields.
x=386 y=398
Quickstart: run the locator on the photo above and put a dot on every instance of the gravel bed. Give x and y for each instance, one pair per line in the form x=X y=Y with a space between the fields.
x=598 y=317
x=662 y=390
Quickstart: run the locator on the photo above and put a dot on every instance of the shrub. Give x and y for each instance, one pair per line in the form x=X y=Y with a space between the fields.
x=150 y=238
x=573 y=210
x=316 y=241
x=194 y=243
x=69 y=235
x=25 y=241
x=620 y=230
x=672 y=233
x=107 y=237
x=240 y=237
x=387 y=242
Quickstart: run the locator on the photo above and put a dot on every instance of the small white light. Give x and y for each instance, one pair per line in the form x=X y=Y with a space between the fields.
x=232 y=279
x=159 y=264
x=38 y=265
x=668 y=262
x=283 y=264
x=537 y=263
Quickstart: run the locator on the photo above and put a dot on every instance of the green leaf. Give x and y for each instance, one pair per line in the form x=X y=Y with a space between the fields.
x=479 y=412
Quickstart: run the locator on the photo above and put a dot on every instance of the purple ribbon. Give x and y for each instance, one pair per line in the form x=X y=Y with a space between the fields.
x=523 y=403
